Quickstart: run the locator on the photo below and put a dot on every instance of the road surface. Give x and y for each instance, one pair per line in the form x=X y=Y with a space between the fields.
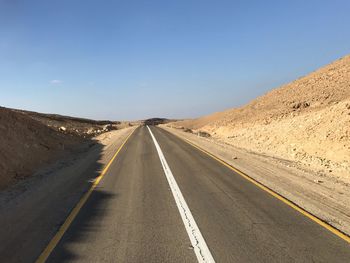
x=162 y=200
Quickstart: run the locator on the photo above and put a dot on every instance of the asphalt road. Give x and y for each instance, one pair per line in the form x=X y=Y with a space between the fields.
x=133 y=215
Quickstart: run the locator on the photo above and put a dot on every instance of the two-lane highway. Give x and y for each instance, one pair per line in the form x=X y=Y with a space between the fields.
x=162 y=200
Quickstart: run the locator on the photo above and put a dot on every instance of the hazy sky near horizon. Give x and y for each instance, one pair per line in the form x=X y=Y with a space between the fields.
x=139 y=59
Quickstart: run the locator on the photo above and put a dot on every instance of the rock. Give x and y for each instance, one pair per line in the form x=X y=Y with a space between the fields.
x=62 y=128
x=299 y=105
x=90 y=131
x=107 y=127
x=203 y=134
x=318 y=181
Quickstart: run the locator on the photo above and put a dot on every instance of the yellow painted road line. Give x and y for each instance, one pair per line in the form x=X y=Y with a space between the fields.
x=273 y=193
x=54 y=241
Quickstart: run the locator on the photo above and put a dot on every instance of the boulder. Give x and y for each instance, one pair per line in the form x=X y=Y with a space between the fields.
x=108 y=127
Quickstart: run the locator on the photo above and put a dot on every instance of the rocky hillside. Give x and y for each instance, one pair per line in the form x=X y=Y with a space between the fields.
x=30 y=140
x=73 y=125
x=27 y=144
x=307 y=120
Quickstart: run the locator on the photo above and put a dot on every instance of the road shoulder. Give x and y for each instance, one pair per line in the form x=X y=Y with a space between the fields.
x=326 y=198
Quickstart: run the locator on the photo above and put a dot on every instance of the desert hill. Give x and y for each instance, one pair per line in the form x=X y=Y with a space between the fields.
x=324 y=87
x=307 y=120
x=29 y=140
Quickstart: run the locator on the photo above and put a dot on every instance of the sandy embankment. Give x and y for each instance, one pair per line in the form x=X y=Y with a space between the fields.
x=306 y=121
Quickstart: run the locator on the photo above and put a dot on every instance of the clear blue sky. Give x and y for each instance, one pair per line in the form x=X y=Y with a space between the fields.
x=139 y=59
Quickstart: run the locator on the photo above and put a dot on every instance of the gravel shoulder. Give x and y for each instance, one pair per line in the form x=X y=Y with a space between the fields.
x=324 y=196
x=32 y=210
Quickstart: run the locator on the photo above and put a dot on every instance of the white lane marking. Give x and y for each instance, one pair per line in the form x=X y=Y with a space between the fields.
x=200 y=247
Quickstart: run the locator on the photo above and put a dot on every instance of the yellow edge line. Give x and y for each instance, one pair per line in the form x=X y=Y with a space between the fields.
x=54 y=241
x=273 y=193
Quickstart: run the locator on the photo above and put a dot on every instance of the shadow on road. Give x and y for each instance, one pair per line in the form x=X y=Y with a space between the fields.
x=87 y=223
x=32 y=211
